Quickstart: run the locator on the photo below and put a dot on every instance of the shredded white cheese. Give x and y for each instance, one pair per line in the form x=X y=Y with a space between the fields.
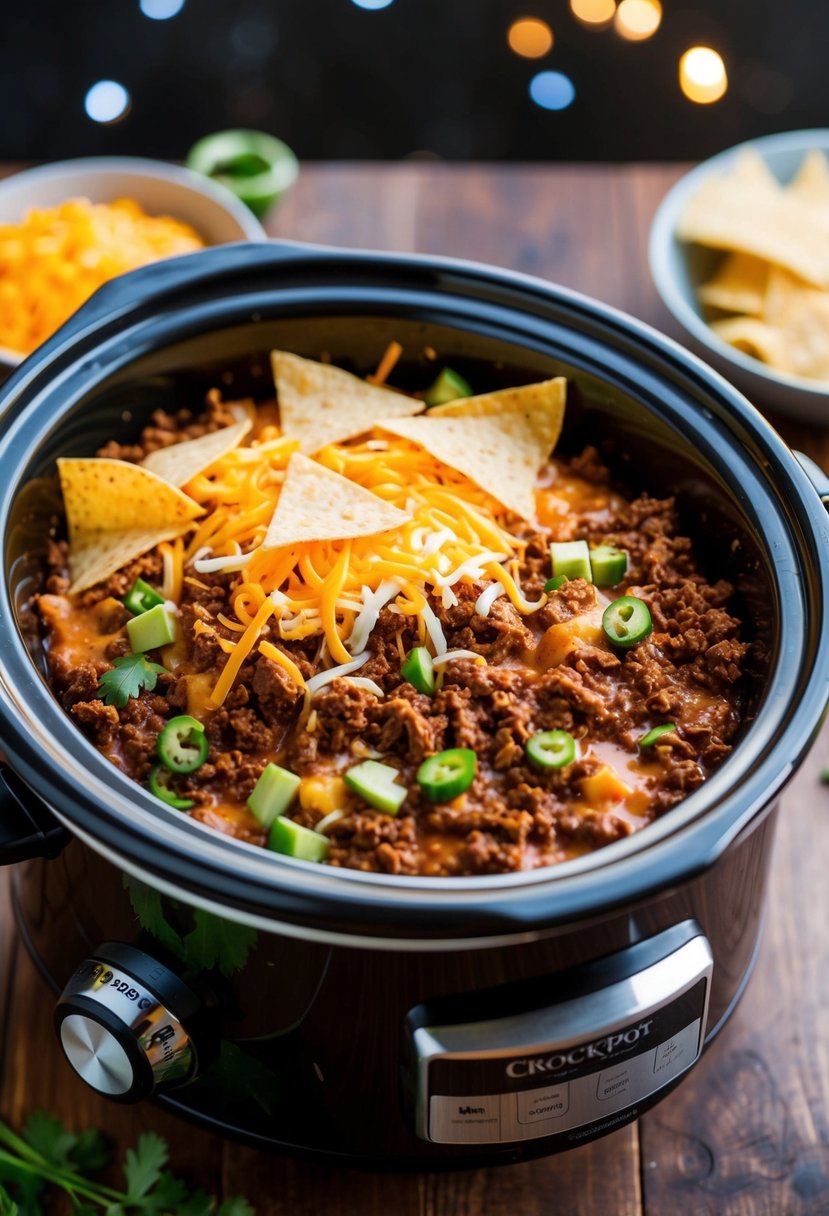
x=488 y=597
x=448 y=657
x=328 y=821
x=322 y=678
x=210 y=565
x=433 y=628
x=373 y=602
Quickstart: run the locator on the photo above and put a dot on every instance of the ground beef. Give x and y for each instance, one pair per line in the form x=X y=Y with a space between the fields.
x=514 y=815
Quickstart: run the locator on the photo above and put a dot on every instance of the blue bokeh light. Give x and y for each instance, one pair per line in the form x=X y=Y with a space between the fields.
x=107 y=101
x=552 y=90
x=161 y=10
x=372 y=4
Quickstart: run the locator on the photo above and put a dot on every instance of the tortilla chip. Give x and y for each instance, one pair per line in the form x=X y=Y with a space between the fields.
x=94 y=556
x=812 y=179
x=800 y=314
x=750 y=170
x=181 y=462
x=321 y=404
x=766 y=221
x=498 y=440
x=754 y=337
x=738 y=285
x=315 y=503
x=115 y=511
x=103 y=495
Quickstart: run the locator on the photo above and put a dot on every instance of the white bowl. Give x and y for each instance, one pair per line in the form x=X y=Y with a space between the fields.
x=161 y=189
x=678 y=269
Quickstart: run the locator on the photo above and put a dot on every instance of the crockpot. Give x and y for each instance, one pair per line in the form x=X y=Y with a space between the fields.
x=415 y=1022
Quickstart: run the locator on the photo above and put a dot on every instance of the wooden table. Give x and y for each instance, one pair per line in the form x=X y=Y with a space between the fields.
x=749 y=1131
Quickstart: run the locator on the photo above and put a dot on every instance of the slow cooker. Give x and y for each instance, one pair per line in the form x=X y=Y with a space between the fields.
x=411 y=1022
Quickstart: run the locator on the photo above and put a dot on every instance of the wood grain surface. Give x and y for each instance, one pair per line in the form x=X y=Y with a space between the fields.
x=748 y=1132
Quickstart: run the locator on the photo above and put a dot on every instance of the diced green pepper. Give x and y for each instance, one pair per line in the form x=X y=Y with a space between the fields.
x=571 y=558
x=256 y=166
x=447 y=386
x=182 y=745
x=608 y=565
x=273 y=794
x=152 y=629
x=159 y=783
x=375 y=783
x=141 y=597
x=551 y=749
x=443 y=776
x=419 y=670
x=294 y=840
x=656 y=733
x=555 y=583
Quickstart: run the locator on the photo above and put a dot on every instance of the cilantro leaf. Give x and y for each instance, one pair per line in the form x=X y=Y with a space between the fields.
x=148 y=907
x=86 y=1151
x=236 y=1206
x=128 y=675
x=219 y=943
x=7 y=1205
x=144 y=1163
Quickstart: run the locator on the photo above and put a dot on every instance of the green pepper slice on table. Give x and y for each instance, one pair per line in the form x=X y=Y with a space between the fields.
x=182 y=746
x=443 y=776
x=257 y=167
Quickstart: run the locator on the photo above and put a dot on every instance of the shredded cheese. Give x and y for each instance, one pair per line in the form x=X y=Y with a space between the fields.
x=240 y=652
x=387 y=364
x=278 y=656
x=322 y=678
x=488 y=597
x=442 y=659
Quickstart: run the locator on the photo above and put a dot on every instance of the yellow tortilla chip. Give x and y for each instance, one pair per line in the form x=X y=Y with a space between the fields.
x=181 y=462
x=749 y=169
x=738 y=285
x=115 y=511
x=315 y=503
x=94 y=556
x=498 y=440
x=770 y=223
x=812 y=178
x=754 y=337
x=321 y=404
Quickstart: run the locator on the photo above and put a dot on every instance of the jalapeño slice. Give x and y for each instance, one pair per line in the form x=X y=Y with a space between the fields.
x=159 y=783
x=656 y=733
x=141 y=597
x=626 y=621
x=444 y=776
x=182 y=745
x=551 y=749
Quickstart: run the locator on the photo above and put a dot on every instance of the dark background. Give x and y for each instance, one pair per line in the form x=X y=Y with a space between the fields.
x=418 y=77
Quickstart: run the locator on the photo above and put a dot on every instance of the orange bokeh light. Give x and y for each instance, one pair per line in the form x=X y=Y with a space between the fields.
x=530 y=37
x=702 y=75
x=637 y=20
x=593 y=12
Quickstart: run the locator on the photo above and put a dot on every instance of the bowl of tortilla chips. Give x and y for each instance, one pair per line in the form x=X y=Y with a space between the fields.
x=739 y=253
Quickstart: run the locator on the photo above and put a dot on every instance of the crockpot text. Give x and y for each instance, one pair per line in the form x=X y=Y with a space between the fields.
x=599 y=1049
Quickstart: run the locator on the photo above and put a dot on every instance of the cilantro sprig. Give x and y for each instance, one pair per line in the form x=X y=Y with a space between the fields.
x=46 y=1156
x=127 y=677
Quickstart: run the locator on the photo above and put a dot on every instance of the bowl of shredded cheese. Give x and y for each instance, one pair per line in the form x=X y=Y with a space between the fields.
x=68 y=227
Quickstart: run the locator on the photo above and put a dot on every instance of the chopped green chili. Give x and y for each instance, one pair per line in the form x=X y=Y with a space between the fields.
x=419 y=670
x=656 y=733
x=154 y=628
x=159 y=783
x=608 y=565
x=447 y=386
x=294 y=840
x=273 y=794
x=443 y=776
x=571 y=558
x=182 y=745
x=556 y=583
x=551 y=749
x=141 y=597
x=626 y=621
x=375 y=783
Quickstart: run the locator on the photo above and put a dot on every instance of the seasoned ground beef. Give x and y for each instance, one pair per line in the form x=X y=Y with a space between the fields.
x=547 y=669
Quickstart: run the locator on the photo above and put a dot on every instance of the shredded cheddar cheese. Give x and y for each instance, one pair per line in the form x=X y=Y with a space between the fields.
x=56 y=257
x=335 y=590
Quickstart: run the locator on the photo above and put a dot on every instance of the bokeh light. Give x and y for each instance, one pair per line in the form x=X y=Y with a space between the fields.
x=552 y=90
x=107 y=101
x=593 y=12
x=637 y=20
x=161 y=10
x=530 y=37
x=372 y=4
x=702 y=75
